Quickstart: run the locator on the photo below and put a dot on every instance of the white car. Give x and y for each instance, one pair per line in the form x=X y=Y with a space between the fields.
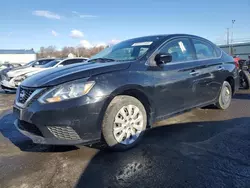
x=12 y=79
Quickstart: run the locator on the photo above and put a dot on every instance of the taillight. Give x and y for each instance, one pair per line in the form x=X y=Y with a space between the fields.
x=236 y=64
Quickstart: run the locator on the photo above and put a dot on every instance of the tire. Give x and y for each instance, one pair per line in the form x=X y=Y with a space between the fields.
x=225 y=97
x=124 y=113
x=245 y=81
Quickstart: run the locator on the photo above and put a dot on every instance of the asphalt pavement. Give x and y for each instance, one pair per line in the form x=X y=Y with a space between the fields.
x=202 y=148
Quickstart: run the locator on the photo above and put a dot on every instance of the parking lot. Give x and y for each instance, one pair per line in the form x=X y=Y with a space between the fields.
x=202 y=148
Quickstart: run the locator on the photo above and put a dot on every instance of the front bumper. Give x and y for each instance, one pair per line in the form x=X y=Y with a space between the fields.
x=72 y=122
x=7 y=86
x=35 y=135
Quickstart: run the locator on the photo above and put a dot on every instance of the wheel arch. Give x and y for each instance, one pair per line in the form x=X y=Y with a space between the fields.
x=137 y=92
x=231 y=81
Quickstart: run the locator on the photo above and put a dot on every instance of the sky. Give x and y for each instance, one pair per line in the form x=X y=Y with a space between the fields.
x=30 y=24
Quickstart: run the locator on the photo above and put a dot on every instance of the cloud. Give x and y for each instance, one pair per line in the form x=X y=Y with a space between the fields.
x=85 y=44
x=54 y=33
x=101 y=44
x=46 y=14
x=87 y=16
x=113 y=42
x=76 y=34
x=84 y=15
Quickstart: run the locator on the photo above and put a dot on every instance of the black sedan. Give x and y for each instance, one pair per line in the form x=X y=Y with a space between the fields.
x=123 y=90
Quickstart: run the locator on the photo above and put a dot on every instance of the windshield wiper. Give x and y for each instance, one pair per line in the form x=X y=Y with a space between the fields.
x=102 y=60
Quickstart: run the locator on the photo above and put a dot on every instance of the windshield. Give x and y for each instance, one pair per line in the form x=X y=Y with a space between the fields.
x=51 y=63
x=30 y=63
x=41 y=62
x=128 y=50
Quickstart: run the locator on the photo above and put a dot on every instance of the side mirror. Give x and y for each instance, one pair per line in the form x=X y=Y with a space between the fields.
x=60 y=65
x=163 y=58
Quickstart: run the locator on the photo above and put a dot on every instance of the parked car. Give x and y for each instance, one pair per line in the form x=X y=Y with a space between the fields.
x=244 y=75
x=236 y=60
x=8 y=67
x=12 y=79
x=123 y=90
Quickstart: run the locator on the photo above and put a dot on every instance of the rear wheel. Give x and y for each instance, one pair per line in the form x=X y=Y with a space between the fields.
x=225 y=97
x=124 y=123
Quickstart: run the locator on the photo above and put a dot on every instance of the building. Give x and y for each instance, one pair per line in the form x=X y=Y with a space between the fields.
x=240 y=49
x=71 y=55
x=17 y=56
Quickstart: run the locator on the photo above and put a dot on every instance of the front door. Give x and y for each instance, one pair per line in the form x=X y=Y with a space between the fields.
x=174 y=82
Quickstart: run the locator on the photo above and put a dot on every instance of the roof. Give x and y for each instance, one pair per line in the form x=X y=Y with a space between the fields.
x=17 y=51
x=168 y=36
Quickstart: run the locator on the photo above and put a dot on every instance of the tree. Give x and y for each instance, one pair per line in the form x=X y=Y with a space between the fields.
x=78 y=51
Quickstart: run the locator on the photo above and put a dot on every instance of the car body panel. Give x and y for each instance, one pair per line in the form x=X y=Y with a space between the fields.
x=172 y=81
x=72 y=72
x=19 y=72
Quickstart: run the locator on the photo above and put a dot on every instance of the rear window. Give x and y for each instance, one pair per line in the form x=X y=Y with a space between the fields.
x=218 y=51
x=204 y=50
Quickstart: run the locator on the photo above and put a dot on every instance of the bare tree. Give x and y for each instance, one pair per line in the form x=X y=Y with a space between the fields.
x=78 y=51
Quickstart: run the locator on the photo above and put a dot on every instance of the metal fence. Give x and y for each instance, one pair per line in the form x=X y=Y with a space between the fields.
x=241 y=49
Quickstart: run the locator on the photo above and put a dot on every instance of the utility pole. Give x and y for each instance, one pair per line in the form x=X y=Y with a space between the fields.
x=228 y=36
x=233 y=21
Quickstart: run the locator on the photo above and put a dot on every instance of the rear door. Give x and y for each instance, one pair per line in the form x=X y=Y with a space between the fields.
x=209 y=67
x=174 y=81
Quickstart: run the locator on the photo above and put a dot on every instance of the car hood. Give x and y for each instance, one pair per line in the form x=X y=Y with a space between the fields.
x=14 y=73
x=68 y=73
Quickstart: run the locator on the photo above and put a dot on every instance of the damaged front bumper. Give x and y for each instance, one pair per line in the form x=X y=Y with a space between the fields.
x=37 y=137
x=8 y=86
x=72 y=122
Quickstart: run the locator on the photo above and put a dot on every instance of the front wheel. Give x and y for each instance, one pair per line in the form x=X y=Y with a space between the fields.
x=225 y=97
x=124 y=123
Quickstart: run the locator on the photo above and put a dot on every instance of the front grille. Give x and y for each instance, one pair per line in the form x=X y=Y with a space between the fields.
x=30 y=128
x=24 y=94
x=37 y=96
x=64 y=133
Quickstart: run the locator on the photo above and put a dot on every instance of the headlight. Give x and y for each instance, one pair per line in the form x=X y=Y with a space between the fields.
x=23 y=77
x=67 y=91
x=19 y=79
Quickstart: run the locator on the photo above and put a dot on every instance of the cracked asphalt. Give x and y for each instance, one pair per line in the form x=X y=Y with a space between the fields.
x=202 y=148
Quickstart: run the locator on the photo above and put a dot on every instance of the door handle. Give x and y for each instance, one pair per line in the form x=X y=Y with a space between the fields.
x=220 y=68
x=194 y=73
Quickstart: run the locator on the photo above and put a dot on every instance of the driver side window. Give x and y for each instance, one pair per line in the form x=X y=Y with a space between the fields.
x=180 y=49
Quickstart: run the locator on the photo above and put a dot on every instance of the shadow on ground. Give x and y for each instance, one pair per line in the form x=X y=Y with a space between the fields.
x=242 y=96
x=5 y=92
x=200 y=154
x=9 y=131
